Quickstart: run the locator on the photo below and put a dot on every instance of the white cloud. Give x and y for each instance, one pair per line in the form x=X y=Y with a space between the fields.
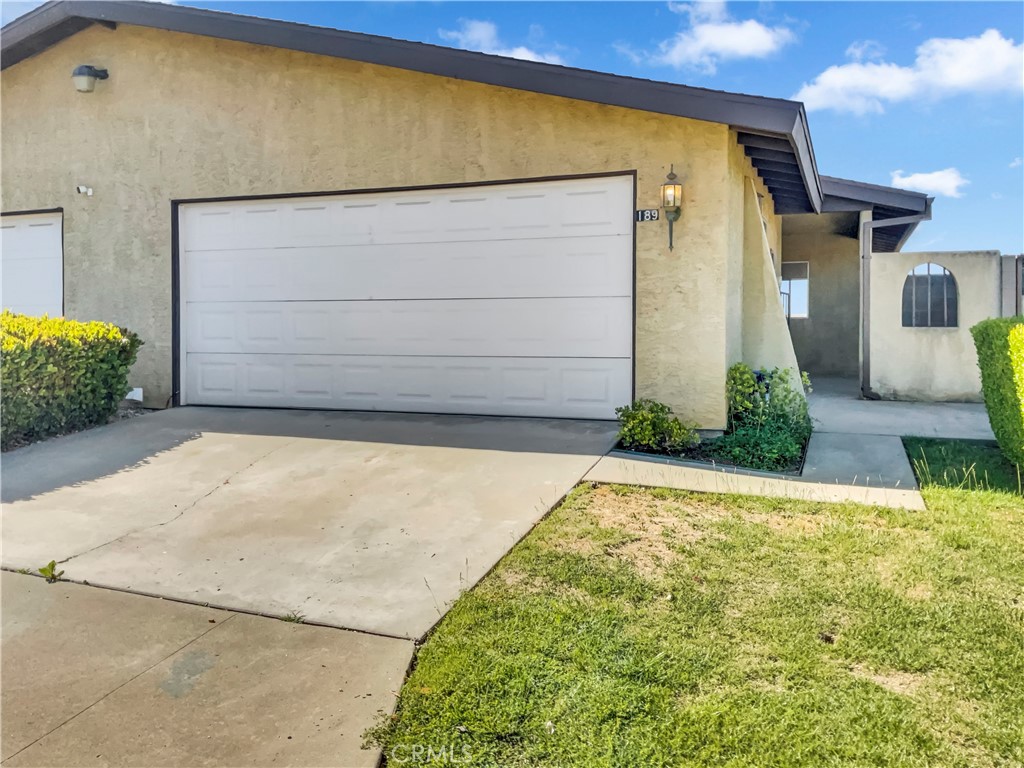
x=865 y=49
x=635 y=56
x=943 y=67
x=944 y=183
x=712 y=36
x=476 y=35
x=1016 y=162
x=702 y=10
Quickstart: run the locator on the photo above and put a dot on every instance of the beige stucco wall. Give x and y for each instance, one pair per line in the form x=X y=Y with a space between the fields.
x=827 y=341
x=185 y=116
x=930 y=363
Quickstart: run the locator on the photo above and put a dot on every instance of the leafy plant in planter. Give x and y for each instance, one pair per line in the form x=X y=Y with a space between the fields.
x=650 y=426
x=769 y=423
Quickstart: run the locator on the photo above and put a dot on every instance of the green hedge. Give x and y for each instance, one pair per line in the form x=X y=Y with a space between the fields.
x=60 y=375
x=1000 y=345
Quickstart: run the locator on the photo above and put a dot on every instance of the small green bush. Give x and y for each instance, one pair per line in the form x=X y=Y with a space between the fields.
x=648 y=425
x=1000 y=345
x=768 y=423
x=59 y=375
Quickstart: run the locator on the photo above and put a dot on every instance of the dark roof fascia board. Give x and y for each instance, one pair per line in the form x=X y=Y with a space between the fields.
x=800 y=135
x=784 y=119
x=37 y=30
x=915 y=202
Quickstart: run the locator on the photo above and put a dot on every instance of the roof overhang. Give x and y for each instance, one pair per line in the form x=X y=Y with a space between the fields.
x=780 y=122
x=779 y=160
x=883 y=202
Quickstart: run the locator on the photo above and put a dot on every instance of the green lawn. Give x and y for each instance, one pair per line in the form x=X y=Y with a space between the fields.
x=657 y=628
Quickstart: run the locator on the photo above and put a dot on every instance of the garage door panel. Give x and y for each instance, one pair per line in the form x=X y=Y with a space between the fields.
x=31 y=255
x=511 y=299
x=548 y=209
x=583 y=327
x=32 y=279
x=584 y=266
x=501 y=386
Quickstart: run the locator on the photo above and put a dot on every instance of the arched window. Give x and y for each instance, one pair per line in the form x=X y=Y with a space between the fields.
x=929 y=298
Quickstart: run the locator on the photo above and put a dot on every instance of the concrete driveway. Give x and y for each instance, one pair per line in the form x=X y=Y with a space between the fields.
x=373 y=522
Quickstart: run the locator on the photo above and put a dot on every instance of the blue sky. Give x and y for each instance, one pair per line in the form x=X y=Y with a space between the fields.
x=918 y=94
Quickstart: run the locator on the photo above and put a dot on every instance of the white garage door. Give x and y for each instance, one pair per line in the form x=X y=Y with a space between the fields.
x=514 y=299
x=32 y=263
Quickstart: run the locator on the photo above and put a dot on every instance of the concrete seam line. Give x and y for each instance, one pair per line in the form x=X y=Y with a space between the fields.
x=185 y=509
x=212 y=606
x=114 y=690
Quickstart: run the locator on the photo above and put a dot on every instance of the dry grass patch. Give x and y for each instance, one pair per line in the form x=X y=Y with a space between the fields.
x=921 y=591
x=903 y=683
x=655 y=528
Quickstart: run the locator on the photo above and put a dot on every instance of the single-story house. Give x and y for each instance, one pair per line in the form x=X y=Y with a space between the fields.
x=294 y=216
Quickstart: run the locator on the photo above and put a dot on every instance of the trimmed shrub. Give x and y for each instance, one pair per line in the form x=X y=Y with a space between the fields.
x=60 y=375
x=769 y=423
x=648 y=425
x=1000 y=345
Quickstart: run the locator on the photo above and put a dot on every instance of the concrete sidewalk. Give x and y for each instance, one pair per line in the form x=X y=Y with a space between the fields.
x=97 y=677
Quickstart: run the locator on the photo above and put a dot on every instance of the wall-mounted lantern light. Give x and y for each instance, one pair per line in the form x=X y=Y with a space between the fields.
x=671 y=200
x=85 y=77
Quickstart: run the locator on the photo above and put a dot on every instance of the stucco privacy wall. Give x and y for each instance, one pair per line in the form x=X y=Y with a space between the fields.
x=183 y=117
x=930 y=363
x=827 y=342
x=744 y=181
x=766 y=340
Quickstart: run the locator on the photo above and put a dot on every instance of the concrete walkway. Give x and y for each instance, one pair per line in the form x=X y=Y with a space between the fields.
x=97 y=677
x=836 y=407
x=625 y=469
x=855 y=453
x=874 y=461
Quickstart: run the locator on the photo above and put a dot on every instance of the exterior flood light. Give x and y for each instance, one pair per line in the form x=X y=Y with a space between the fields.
x=671 y=200
x=85 y=77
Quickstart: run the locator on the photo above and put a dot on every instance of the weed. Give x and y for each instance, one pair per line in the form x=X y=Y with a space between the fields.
x=50 y=572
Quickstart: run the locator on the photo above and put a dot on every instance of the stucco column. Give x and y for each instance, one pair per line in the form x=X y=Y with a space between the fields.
x=864 y=344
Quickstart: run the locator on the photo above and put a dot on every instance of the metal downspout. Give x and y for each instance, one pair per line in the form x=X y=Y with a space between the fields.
x=866 y=236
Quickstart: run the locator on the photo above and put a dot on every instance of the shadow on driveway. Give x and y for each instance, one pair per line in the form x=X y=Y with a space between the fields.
x=90 y=455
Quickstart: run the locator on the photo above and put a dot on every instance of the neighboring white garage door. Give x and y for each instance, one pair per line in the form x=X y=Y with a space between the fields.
x=32 y=263
x=513 y=299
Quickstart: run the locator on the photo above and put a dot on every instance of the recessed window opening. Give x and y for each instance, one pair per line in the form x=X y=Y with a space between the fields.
x=930 y=298
x=795 y=288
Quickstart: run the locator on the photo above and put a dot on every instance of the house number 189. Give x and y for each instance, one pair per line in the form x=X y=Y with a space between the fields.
x=647 y=214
